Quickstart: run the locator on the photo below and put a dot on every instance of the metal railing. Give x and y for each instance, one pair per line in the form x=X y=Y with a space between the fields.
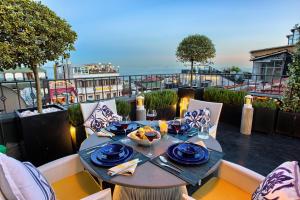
x=22 y=94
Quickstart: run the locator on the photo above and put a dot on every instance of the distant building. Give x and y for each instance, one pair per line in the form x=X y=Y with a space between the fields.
x=94 y=81
x=295 y=36
x=271 y=63
x=21 y=74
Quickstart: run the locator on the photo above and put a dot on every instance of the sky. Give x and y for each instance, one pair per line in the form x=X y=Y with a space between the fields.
x=142 y=36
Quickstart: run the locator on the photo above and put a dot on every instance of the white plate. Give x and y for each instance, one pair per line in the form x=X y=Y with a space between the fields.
x=143 y=142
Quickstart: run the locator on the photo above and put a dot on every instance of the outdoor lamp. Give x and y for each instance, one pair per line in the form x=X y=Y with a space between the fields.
x=140 y=108
x=140 y=102
x=247 y=115
x=248 y=100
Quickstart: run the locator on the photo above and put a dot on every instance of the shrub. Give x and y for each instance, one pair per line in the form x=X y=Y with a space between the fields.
x=75 y=115
x=291 y=97
x=123 y=107
x=270 y=104
x=224 y=96
x=160 y=99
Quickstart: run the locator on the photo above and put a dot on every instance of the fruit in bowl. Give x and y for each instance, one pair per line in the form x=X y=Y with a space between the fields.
x=145 y=136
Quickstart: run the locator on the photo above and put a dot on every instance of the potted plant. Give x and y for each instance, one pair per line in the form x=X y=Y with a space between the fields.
x=195 y=49
x=232 y=103
x=123 y=108
x=36 y=35
x=76 y=121
x=164 y=102
x=265 y=115
x=288 y=121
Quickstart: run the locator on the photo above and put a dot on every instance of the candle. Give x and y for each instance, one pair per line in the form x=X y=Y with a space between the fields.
x=73 y=134
x=163 y=127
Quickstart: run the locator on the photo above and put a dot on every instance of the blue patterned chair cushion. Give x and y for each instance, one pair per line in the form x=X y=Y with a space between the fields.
x=281 y=184
x=197 y=117
x=101 y=117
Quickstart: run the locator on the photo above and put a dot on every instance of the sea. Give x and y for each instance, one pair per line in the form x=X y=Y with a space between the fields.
x=143 y=70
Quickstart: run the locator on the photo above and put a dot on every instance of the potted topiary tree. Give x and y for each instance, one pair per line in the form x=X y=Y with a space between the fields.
x=194 y=49
x=288 y=121
x=31 y=35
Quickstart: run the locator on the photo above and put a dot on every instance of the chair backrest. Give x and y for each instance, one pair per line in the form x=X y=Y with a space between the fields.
x=88 y=108
x=215 y=109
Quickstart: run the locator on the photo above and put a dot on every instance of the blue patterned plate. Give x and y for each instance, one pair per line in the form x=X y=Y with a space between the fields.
x=105 y=162
x=183 y=129
x=112 y=150
x=172 y=153
x=115 y=128
x=189 y=151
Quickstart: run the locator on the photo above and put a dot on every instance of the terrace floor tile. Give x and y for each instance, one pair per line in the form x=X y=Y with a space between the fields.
x=259 y=152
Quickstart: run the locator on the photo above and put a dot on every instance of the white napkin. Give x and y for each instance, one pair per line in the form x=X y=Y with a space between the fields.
x=126 y=169
x=104 y=133
x=201 y=143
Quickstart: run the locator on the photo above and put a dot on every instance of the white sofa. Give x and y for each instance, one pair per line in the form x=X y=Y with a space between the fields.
x=215 y=111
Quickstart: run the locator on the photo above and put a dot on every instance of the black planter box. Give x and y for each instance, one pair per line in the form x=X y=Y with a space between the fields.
x=199 y=94
x=264 y=120
x=46 y=136
x=288 y=123
x=80 y=137
x=168 y=113
x=231 y=114
x=186 y=92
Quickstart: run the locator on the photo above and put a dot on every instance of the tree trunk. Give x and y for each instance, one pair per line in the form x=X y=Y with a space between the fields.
x=192 y=69
x=38 y=88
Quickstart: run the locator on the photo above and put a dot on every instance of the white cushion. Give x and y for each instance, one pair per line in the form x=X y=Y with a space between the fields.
x=101 y=117
x=88 y=108
x=22 y=181
x=283 y=183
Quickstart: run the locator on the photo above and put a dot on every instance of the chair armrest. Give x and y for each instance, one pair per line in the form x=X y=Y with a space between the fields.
x=102 y=195
x=61 y=168
x=239 y=176
x=89 y=132
x=213 y=131
x=187 y=197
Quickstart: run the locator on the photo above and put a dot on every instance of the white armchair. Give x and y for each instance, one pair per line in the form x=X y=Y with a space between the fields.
x=70 y=181
x=215 y=111
x=234 y=182
x=88 y=108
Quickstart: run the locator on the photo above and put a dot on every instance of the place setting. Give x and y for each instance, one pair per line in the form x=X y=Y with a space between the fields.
x=188 y=161
x=180 y=129
x=119 y=130
x=112 y=158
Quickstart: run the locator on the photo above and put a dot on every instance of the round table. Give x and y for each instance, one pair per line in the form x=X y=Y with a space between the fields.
x=148 y=180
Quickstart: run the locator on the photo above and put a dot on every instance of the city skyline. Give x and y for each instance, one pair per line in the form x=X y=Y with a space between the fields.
x=140 y=34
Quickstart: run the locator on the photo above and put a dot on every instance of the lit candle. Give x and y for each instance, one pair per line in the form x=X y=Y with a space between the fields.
x=163 y=126
x=73 y=133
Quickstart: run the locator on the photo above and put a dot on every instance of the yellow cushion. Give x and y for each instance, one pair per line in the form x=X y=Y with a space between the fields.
x=219 y=189
x=75 y=187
